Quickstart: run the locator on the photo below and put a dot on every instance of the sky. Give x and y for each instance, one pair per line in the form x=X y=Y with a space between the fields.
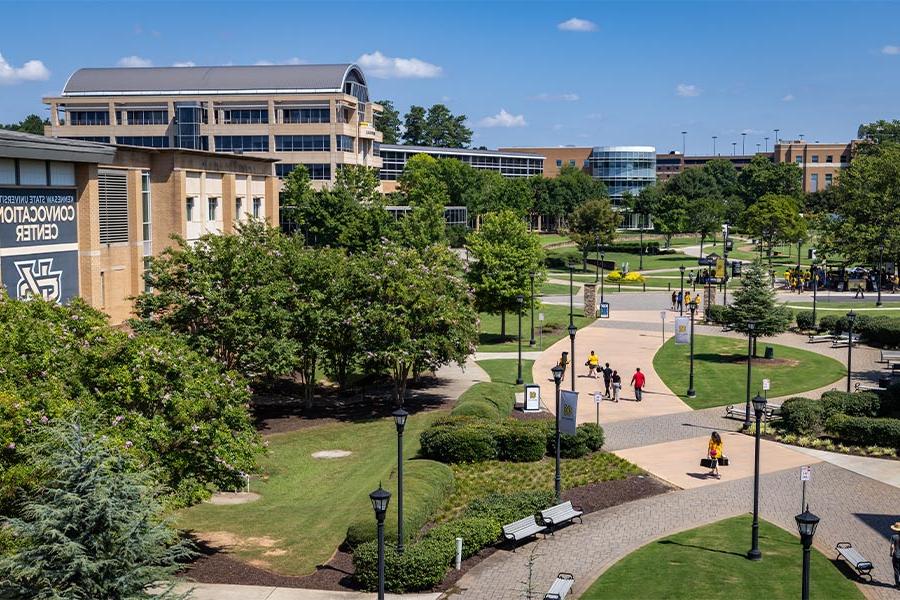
x=525 y=73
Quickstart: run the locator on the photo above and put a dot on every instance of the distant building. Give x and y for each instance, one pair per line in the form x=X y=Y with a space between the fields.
x=507 y=163
x=557 y=157
x=625 y=169
x=669 y=165
x=82 y=219
x=821 y=163
x=319 y=116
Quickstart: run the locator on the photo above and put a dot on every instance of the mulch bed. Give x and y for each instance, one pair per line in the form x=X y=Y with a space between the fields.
x=215 y=565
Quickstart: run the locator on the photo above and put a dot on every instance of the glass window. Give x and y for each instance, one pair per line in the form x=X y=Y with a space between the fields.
x=238 y=208
x=88 y=117
x=257 y=208
x=829 y=179
x=815 y=158
x=799 y=160
x=189 y=209
x=147 y=117
x=829 y=158
x=146 y=211
x=213 y=209
x=245 y=116
x=303 y=143
x=558 y=162
x=344 y=143
x=814 y=182
x=306 y=115
x=147 y=287
x=572 y=162
x=242 y=143
x=146 y=141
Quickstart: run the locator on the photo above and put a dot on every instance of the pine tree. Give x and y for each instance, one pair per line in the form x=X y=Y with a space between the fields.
x=756 y=301
x=95 y=528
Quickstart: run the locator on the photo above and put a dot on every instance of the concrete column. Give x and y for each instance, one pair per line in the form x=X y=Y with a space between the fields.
x=228 y=199
x=590 y=299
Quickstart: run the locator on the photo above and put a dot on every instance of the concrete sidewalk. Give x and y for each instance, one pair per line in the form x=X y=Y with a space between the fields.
x=221 y=591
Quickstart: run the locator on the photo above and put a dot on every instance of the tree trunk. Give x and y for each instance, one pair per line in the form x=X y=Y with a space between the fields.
x=503 y=323
x=702 y=240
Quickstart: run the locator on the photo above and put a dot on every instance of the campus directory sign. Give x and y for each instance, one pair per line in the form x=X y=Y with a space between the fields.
x=604 y=310
x=39 y=243
x=532 y=398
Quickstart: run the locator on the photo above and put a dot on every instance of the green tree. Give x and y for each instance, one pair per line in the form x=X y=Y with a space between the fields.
x=762 y=176
x=670 y=215
x=418 y=312
x=641 y=205
x=223 y=293
x=705 y=215
x=572 y=187
x=774 y=218
x=94 y=530
x=32 y=124
x=388 y=122
x=443 y=129
x=880 y=131
x=694 y=183
x=360 y=219
x=756 y=301
x=415 y=131
x=422 y=189
x=725 y=176
x=593 y=222
x=503 y=254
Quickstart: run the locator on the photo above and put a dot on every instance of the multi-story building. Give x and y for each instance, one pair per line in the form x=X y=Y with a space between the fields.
x=669 y=165
x=625 y=169
x=507 y=163
x=555 y=158
x=821 y=163
x=319 y=116
x=82 y=219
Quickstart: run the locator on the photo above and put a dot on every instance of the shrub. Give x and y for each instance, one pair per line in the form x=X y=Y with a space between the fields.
x=476 y=532
x=614 y=276
x=422 y=566
x=593 y=435
x=717 y=313
x=521 y=441
x=460 y=439
x=865 y=431
x=803 y=416
x=804 y=320
x=426 y=485
x=587 y=437
x=478 y=408
x=880 y=330
x=633 y=277
x=486 y=400
x=828 y=323
x=506 y=508
x=890 y=401
x=860 y=404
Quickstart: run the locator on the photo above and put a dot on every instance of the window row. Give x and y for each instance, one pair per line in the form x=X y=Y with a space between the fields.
x=147 y=141
x=343 y=143
x=317 y=171
x=303 y=143
x=213 y=212
x=144 y=117
x=245 y=116
x=306 y=115
x=242 y=143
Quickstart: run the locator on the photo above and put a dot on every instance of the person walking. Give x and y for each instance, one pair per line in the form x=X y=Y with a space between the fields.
x=687 y=298
x=616 y=385
x=715 y=452
x=674 y=299
x=895 y=281
x=637 y=381
x=593 y=365
x=895 y=552
x=564 y=363
x=680 y=302
x=859 y=292
x=607 y=378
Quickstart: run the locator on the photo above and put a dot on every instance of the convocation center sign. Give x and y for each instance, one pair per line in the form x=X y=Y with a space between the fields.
x=39 y=243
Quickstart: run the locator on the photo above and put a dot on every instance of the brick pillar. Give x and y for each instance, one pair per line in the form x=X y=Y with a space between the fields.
x=590 y=299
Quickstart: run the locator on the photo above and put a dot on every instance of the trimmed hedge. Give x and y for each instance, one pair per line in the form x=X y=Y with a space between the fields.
x=460 y=440
x=588 y=438
x=426 y=485
x=422 y=566
x=506 y=508
x=521 y=441
x=804 y=320
x=476 y=532
x=865 y=431
x=879 y=330
x=803 y=416
x=717 y=313
x=486 y=400
x=860 y=404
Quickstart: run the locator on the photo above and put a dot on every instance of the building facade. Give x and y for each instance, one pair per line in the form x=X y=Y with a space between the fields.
x=507 y=163
x=625 y=169
x=319 y=116
x=555 y=158
x=83 y=219
x=673 y=163
x=820 y=163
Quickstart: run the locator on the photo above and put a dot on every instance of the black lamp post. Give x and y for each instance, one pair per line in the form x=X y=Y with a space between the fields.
x=597 y=269
x=751 y=327
x=531 y=341
x=400 y=417
x=681 y=306
x=815 y=278
x=380 y=499
x=602 y=256
x=520 y=300
x=571 y=289
x=880 y=273
x=806 y=525
x=759 y=407
x=691 y=393
x=851 y=319
x=557 y=378
x=572 y=330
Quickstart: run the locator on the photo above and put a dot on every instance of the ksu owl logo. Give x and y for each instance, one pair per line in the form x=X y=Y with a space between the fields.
x=568 y=411
x=37 y=279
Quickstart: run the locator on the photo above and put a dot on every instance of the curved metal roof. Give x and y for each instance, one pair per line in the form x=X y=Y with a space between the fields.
x=211 y=80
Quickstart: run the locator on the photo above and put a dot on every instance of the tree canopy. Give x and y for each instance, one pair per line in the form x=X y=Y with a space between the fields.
x=593 y=222
x=32 y=124
x=756 y=301
x=774 y=219
x=437 y=126
x=388 y=122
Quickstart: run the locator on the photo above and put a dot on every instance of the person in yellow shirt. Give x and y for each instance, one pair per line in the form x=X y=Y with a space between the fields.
x=687 y=298
x=715 y=450
x=593 y=365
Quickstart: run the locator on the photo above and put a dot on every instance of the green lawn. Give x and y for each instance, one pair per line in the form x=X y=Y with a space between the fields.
x=504 y=370
x=709 y=562
x=559 y=289
x=556 y=320
x=720 y=370
x=660 y=261
x=553 y=238
x=308 y=503
x=889 y=307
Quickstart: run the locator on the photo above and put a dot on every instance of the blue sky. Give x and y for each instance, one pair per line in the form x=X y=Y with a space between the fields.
x=525 y=73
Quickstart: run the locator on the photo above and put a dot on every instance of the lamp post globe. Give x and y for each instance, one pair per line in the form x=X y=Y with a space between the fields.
x=520 y=301
x=759 y=407
x=557 y=379
x=380 y=499
x=806 y=527
x=400 y=417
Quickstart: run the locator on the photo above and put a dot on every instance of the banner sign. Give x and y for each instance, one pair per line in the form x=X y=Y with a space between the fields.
x=39 y=243
x=568 y=411
x=604 y=310
x=532 y=397
x=720 y=268
x=682 y=333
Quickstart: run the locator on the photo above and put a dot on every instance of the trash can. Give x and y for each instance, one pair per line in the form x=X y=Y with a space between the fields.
x=770 y=352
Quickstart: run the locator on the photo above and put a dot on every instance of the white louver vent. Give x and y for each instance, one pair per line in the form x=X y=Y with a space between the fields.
x=113 y=187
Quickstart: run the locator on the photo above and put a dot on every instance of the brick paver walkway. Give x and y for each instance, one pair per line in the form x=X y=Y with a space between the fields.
x=852 y=507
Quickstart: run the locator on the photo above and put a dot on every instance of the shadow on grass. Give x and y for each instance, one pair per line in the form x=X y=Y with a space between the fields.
x=716 y=550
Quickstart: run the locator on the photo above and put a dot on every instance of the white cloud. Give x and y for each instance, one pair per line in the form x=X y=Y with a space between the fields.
x=891 y=50
x=32 y=70
x=576 y=24
x=788 y=98
x=556 y=97
x=686 y=90
x=595 y=115
x=503 y=119
x=378 y=65
x=134 y=61
x=187 y=63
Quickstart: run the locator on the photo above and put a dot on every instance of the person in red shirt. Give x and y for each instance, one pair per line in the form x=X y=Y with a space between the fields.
x=637 y=380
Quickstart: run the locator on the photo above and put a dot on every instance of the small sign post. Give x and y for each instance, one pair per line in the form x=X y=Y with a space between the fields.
x=598 y=398
x=604 y=310
x=532 y=398
x=805 y=473
x=541 y=320
x=662 y=317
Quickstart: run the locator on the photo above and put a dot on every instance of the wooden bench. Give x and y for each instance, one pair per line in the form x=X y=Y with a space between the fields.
x=521 y=529
x=815 y=339
x=735 y=412
x=889 y=355
x=740 y=412
x=561 y=513
x=561 y=587
x=863 y=387
x=843 y=340
x=856 y=560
